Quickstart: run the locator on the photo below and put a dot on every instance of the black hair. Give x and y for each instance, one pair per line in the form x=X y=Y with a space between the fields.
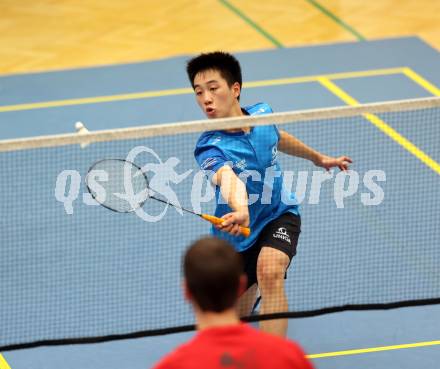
x=225 y=63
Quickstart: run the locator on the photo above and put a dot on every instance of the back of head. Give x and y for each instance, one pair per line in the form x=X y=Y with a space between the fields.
x=225 y=63
x=212 y=270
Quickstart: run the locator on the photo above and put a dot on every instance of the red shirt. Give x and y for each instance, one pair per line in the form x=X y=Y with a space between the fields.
x=236 y=347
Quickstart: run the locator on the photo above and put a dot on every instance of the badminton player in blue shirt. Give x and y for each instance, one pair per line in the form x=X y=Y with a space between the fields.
x=258 y=202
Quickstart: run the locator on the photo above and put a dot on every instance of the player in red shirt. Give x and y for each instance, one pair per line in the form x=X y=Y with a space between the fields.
x=213 y=282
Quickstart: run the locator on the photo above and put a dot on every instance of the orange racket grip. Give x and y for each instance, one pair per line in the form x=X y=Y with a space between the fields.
x=245 y=231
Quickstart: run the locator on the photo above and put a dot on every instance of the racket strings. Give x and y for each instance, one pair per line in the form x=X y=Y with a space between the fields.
x=118 y=185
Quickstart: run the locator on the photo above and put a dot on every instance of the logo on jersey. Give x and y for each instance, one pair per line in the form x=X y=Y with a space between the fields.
x=241 y=164
x=216 y=140
x=281 y=233
x=274 y=155
x=208 y=163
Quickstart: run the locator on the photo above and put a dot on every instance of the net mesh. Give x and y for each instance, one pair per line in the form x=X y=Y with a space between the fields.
x=71 y=270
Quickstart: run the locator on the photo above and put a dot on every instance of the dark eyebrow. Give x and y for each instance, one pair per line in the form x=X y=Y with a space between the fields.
x=211 y=81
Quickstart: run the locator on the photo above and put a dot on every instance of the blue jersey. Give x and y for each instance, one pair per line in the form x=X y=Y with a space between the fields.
x=253 y=157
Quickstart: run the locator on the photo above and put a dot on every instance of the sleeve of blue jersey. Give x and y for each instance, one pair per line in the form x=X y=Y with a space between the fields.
x=208 y=156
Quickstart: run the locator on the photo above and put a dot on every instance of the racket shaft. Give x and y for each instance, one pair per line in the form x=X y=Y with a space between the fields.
x=245 y=231
x=210 y=218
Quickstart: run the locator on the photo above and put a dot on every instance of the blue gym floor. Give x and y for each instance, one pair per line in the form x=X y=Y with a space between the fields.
x=158 y=92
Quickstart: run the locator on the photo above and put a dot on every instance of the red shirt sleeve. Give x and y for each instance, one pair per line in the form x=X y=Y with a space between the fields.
x=300 y=357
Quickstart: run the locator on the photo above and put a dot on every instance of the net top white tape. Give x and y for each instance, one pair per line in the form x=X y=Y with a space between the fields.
x=220 y=124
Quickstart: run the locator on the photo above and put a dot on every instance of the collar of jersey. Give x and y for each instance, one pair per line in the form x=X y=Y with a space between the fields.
x=242 y=133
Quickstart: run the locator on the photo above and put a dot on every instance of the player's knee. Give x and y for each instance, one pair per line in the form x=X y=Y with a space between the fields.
x=271 y=268
x=270 y=274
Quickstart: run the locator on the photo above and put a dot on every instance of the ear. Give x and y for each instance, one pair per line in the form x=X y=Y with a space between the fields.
x=236 y=89
x=242 y=286
x=186 y=292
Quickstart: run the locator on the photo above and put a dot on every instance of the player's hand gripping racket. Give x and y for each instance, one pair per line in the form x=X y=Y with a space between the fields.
x=123 y=187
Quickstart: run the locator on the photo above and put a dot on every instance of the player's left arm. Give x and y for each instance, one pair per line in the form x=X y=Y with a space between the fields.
x=292 y=146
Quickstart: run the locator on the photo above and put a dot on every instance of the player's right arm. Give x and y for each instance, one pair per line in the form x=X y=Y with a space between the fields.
x=233 y=190
x=217 y=166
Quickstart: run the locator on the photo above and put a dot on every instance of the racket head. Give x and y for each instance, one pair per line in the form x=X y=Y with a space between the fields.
x=117 y=184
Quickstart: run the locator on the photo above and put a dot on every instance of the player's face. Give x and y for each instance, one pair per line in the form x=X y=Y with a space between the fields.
x=214 y=96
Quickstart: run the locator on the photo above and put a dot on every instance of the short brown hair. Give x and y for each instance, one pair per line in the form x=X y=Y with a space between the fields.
x=212 y=270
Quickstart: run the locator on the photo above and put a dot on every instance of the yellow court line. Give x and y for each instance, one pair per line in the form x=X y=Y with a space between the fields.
x=184 y=91
x=3 y=363
x=96 y=99
x=417 y=78
x=373 y=349
x=315 y=78
x=385 y=128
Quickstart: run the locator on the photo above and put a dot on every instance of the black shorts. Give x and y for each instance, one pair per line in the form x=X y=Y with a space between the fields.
x=281 y=233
